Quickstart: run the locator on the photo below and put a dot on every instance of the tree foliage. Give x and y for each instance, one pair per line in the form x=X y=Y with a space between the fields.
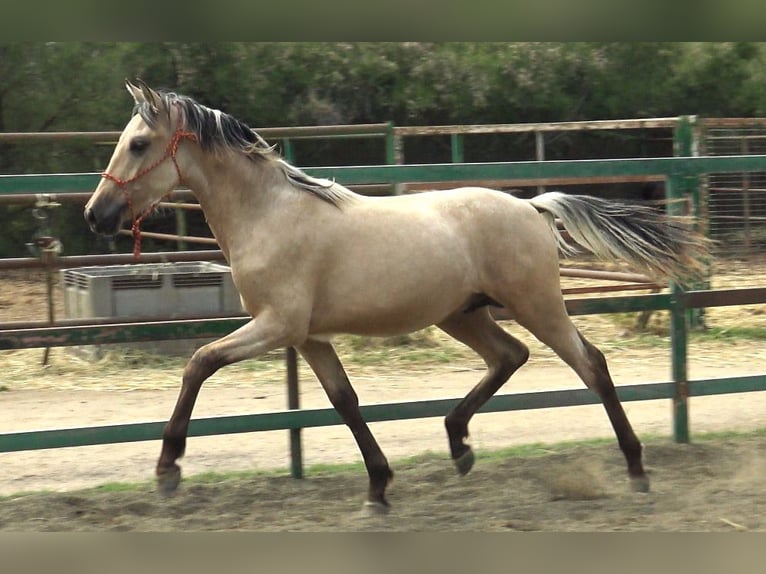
x=79 y=87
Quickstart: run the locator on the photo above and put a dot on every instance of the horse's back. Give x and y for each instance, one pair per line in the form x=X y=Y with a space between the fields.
x=504 y=230
x=492 y=228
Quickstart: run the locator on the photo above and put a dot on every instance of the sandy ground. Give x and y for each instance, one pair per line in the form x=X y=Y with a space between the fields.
x=705 y=486
x=69 y=468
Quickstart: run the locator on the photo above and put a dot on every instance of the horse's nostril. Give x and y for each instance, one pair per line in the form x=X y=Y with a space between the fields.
x=90 y=217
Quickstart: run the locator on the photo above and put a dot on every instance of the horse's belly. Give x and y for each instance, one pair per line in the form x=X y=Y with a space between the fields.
x=380 y=312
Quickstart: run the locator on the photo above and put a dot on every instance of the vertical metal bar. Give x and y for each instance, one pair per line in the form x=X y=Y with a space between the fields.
x=396 y=154
x=181 y=228
x=48 y=256
x=679 y=317
x=390 y=145
x=540 y=155
x=456 y=147
x=678 y=338
x=293 y=403
x=288 y=151
x=686 y=146
x=393 y=152
x=678 y=335
x=689 y=187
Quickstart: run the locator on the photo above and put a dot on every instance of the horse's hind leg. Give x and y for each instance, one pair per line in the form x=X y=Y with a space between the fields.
x=328 y=369
x=503 y=355
x=554 y=328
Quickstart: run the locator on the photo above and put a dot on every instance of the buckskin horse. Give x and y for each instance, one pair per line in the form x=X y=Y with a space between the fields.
x=312 y=259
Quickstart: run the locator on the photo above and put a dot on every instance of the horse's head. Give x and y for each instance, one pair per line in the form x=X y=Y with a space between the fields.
x=144 y=166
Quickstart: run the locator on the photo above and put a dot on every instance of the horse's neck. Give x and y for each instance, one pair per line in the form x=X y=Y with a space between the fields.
x=243 y=201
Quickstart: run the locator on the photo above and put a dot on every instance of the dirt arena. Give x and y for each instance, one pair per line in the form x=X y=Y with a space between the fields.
x=709 y=485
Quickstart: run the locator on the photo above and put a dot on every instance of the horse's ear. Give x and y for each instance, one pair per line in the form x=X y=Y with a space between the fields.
x=134 y=91
x=143 y=93
x=150 y=96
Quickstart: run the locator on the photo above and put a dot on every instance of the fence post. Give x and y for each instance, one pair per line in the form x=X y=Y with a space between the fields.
x=540 y=155
x=684 y=145
x=456 y=147
x=395 y=155
x=293 y=403
x=391 y=150
x=291 y=360
x=288 y=151
x=678 y=333
x=182 y=229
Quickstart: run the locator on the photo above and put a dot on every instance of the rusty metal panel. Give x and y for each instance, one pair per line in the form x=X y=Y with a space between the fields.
x=724 y=297
x=117 y=333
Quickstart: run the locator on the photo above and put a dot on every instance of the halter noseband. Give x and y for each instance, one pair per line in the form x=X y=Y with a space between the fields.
x=170 y=152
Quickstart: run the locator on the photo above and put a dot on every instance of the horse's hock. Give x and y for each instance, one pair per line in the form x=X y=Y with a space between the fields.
x=151 y=291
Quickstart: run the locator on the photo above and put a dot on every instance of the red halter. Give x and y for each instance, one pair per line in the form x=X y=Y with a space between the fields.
x=170 y=152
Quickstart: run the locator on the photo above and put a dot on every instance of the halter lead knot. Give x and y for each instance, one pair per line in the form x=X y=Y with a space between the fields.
x=170 y=152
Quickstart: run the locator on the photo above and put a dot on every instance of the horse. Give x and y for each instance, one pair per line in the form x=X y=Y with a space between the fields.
x=311 y=259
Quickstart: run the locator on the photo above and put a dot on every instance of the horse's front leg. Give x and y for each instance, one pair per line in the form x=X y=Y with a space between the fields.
x=264 y=333
x=328 y=369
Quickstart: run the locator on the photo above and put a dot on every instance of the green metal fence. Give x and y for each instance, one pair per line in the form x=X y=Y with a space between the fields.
x=681 y=173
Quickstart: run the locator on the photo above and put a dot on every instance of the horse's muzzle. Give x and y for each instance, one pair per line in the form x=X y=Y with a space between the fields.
x=90 y=218
x=107 y=222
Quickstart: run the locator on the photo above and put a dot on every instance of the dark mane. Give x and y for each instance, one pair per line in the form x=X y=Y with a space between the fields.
x=217 y=130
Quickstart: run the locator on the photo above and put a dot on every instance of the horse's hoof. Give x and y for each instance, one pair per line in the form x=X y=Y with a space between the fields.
x=639 y=483
x=464 y=463
x=168 y=481
x=371 y=508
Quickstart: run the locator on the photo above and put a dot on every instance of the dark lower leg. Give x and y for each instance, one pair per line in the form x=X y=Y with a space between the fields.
x=456 y=421
x=503 y=355
x=265 y=332
x=626 y=438
x=378 y=470
x=325 y=363
x=175 y=432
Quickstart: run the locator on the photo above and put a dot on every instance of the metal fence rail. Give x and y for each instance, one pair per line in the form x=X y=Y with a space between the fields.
x=310 y=418
x=680 y=167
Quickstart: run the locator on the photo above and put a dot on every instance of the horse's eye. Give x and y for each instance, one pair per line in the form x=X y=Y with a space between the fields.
x=138 y=145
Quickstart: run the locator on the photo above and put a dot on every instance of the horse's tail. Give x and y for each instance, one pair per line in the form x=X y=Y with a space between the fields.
x=660 y=244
